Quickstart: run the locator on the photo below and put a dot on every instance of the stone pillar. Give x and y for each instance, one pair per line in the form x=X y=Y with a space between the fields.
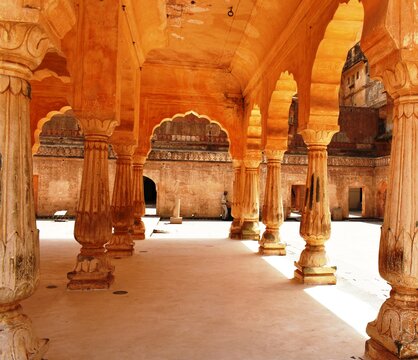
x=22 y=47
x=138 y=229
x=250 y=229
x=315 y=226
x=93 y=225
x=270 y=243
x=394 y=334
x=121 y=242
x=235 y=230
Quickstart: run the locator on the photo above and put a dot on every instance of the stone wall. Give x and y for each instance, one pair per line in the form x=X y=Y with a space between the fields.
x=200 y=184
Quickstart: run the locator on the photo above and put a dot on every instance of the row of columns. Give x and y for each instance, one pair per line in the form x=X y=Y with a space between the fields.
x=96 y=215
x=312 y=267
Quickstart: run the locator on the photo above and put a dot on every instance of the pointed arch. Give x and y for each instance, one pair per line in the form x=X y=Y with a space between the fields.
x=42 y=122
x=278 y=112
x=341 y=34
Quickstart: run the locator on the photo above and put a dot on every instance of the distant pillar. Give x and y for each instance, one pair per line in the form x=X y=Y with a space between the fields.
x=270 y=243
x=235 y=230
x=121 y=242
x=315 y=226
x=138 y=229
x=250 y=202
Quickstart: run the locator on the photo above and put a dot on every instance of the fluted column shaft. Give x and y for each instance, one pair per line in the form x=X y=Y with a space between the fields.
x=394 y=333
x=22 y=47
x=315 y=226
x=235 y=230
x=138 y=229
x=270 y=243
x=250 y=199
x=121 y=242
x=93 y=224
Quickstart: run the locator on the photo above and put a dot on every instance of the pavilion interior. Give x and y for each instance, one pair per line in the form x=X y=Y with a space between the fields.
x=300 y=110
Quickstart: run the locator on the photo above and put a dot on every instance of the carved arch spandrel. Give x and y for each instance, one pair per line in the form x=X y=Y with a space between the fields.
x=277 y=122
x=343 y=31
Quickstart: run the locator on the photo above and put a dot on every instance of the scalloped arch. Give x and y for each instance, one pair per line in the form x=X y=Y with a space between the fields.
x=42 y=122
x=343 y=31
x=190 y=112
x=278 y=112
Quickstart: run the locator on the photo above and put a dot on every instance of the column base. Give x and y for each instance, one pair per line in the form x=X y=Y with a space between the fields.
x=270 y=244
x=375 y=351
x=176 y=220
x=93 y=271
x=120 y=245
x=318 y=275
x=235 y=229
x=394 y=332
x=250 y=230
x=138 y=230
x=267 y=249
x=17 y=338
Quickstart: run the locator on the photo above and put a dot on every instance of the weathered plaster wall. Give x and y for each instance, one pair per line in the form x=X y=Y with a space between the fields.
x=200 y=184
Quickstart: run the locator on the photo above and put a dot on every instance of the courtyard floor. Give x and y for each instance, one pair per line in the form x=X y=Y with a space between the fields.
x=193 y=294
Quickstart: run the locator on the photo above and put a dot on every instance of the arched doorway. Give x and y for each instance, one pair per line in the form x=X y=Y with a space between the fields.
x=150 y=196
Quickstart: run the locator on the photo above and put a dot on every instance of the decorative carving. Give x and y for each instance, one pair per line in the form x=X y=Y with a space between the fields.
x=396 y=325
x=92 y=125
x=167 y=155
x=235 y=230
x=22 y=48
x=17 y=338
x=322 y=137
x=315 y=225
x=93 y=227
x=121 y=243
x=402 y=79
x=270 y=243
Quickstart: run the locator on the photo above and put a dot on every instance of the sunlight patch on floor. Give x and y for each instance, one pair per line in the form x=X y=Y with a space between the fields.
x=347 y=307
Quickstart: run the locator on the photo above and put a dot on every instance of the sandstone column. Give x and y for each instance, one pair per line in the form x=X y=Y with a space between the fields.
x=138 y=229
x=22 y=47
x=93 y=225
x=235 y=230
x=270 y=243
x=250 y=199
x=121 y=242
x=394 y=334
x=315 y=227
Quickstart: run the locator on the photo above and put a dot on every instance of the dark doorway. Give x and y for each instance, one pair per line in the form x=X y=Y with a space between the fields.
x=355 y=202
x=150 y=193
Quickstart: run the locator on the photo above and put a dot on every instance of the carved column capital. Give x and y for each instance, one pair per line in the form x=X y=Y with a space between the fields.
x=252 y=159
x=274 y=154
x=123 y=150
x=236 y=163
x=22 y=48
x=318 y=137
x=401 y=79
x=93 y=126
x=138 y=159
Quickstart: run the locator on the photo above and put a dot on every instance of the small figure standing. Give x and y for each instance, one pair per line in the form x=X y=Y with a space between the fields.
x=224 y=204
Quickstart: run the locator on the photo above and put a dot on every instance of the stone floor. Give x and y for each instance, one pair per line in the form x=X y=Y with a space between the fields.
x=192 y=294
